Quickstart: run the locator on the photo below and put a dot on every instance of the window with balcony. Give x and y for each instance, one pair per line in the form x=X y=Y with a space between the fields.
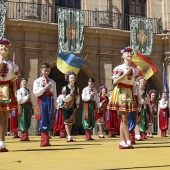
x=68 y=3
x=135 y=7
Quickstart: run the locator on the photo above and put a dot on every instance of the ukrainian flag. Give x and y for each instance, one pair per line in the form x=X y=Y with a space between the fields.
x=69 y=62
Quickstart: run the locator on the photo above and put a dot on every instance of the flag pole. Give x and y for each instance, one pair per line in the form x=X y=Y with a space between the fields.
x=86 y=57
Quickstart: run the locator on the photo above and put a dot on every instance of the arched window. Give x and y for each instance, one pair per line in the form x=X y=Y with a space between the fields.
x=68 y=3
x=135 y=7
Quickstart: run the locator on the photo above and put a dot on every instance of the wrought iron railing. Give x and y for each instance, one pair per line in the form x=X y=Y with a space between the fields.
x=48 y=13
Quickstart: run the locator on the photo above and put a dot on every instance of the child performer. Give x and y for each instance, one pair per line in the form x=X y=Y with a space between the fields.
x=163 y=114
x=8 y=74
x=91 y=104
x=100 y=115
x=111 y=120
x=71 y=101
x=145 y=108
x=122 y=98
x=153 y=109
x=59 y=125
x=25 y=110
x=132 y=116
x=44 y=89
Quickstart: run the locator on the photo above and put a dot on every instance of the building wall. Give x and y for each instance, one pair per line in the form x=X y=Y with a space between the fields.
x=35 y=43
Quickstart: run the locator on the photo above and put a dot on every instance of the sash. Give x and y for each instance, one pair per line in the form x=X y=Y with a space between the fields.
x=86 y=108
x=38 y=109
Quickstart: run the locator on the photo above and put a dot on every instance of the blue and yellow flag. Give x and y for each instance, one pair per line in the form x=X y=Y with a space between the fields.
x=69 y=62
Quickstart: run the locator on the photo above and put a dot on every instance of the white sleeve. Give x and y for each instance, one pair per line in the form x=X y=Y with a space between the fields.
x=85 y=95
x=54 y=93
x=37 y=89
x=20 y=99
x=162 y=104
x=66 y=98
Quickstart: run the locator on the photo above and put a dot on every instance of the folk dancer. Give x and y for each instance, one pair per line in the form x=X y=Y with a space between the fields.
x=44 y=89
x=163 y=114
x=59 y=125
x=25 y=110
x=145 y=108
x=122 y=98
x=71 y=101
x=111 y=120
x=132 y=116
x=9 y=72
x=91 y=104
x=101 y=114
x=153 y=111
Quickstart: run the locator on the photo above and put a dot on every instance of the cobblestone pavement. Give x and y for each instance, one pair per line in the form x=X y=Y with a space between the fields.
x=100 y=154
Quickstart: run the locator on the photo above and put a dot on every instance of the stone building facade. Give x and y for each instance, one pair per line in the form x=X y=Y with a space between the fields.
x=35 y=41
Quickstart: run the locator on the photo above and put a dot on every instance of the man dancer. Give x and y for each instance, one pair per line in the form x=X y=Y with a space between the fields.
x=44 y=89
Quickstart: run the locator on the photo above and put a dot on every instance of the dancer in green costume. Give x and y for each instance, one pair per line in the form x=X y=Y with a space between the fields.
x=145 y=109
x=25 y=109
x=91 y=104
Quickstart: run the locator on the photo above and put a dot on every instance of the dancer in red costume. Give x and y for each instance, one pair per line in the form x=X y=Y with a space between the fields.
x=8 y=74
x=163 y=114
x=111 y=120
x=122 y=98
x=59 y=125
x=100 y=116
x=153 y=109
x=14 y=123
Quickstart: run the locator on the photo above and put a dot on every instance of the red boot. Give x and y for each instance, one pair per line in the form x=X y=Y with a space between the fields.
x=3 y=149
x=110 y=134
x=62 y=134
x=24 y=136
x=16 y=135
x=88 y=135
x=45 y=139
x=143 y=135
x=132 y=137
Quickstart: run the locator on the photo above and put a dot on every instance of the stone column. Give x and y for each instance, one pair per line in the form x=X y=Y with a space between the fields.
x=31 y=71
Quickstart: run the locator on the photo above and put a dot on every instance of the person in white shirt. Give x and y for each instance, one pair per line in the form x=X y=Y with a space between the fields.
x=163 y=114
x=44 y=89
x=9 y=72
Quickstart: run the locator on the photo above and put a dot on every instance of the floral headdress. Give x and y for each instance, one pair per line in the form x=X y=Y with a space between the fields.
x=68 y=74
x=140 y=78
x=100 y=89
x=127 y=49
x=152 y=91
x=4 y=41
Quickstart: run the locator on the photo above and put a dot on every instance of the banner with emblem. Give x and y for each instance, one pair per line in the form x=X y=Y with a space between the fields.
x=71 y=30
x=3 y=10
x=141 y=35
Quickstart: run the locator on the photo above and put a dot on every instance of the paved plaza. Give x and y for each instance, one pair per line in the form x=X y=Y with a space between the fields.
x=100 y=154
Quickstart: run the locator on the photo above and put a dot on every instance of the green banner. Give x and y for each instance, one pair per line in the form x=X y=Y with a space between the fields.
x=3 y=10
x=71 y=30
x=141 y=35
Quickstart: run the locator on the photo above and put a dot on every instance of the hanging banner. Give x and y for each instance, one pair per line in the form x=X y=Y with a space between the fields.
x=3 y=10
x=70 y=30
x=141 y=35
